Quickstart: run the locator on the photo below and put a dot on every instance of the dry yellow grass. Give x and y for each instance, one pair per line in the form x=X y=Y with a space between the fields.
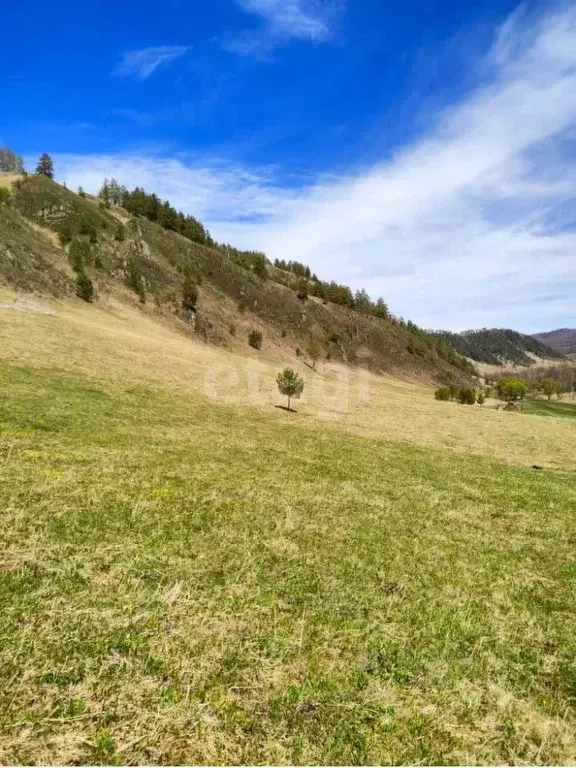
x=119 y=341
x=7 y=179
x=183 y=582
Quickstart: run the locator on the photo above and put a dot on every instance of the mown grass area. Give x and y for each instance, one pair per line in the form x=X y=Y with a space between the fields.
x=182 y=581
x=551 y=408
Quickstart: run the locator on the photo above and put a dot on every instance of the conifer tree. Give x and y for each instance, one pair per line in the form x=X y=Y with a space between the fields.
x=45 y=166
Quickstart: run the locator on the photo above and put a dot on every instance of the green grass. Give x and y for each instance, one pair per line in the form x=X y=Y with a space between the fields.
x=550 y=408
x=182 y=582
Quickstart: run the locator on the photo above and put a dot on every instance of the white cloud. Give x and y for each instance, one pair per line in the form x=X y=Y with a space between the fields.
x=283 y=20
x=143 y=62
x=472 y=225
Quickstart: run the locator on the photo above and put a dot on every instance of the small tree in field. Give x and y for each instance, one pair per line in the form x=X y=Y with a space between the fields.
x=290 y=384
x=442 y=393
x=314 y=350
x=548 y=387
x=45 y=166
x=511 y=390
x=481 y=398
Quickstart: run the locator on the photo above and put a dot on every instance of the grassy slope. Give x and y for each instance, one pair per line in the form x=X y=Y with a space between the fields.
x=232 y=300
x=187 y=581
x=553 y=408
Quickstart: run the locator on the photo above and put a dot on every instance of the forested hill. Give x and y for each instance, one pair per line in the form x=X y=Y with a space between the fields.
x=563 y=340
x=499 y=346
x=140 y=249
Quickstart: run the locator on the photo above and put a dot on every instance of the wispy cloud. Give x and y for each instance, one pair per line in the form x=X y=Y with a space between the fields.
x=282 y=20
x=472 y=225
x=143 y=62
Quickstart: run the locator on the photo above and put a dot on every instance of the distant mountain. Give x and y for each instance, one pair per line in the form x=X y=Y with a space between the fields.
x=563 y=340
x=500 y=346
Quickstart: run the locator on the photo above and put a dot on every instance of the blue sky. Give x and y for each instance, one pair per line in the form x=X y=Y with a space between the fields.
x=425 y=150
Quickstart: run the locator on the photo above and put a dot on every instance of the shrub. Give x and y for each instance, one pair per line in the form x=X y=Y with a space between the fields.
x=481 y=398
x=134 y=280
x=466 y=396
x=232 y=329
x=442 y=393
x=453 y=391
x=290 y=384
x=79 y=254
x=255 y=339
x=189 y=294
x=4 y=195
x=120 y=233
x=65 y=235
x=84 y=287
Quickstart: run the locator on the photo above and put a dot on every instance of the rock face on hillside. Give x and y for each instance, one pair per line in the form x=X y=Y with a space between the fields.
x=142 y=262
x=562 y=340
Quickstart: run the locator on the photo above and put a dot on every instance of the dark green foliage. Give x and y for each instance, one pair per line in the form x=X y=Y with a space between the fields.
x=300 y=270
x=253 y=261
x=466 y=396
x=497 y=346
x=189 y=294
x=302 y=290
x=453 y=391
x=45 y=166
x=134 y=280
x=290 y=384
x=481 y=398
x=10 y=162
x=81 y=192
x=4 y=195
x=65 y=235
x=442 y=393
x=120 y=233
x=255 y=339
x=141 y=203
x=84 y=287
x=79 y=254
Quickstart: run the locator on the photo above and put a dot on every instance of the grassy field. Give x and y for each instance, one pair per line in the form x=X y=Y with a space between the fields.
x=561 y=410
x=188 y=574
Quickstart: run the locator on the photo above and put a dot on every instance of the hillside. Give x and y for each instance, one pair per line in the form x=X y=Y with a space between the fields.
x=500 y=346
x=562 y=340
x=46 y=229
x=192 y=575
